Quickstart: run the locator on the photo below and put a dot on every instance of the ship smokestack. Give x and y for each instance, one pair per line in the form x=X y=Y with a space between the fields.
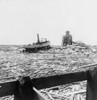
x=38 y=38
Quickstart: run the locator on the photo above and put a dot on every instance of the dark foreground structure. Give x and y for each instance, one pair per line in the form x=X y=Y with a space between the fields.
x=39 y=45
x=27 y=89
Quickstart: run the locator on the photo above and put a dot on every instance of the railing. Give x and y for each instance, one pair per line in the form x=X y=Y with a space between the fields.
x=9 y=88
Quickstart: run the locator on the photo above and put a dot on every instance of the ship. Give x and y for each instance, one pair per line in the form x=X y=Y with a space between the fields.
x=37 y=46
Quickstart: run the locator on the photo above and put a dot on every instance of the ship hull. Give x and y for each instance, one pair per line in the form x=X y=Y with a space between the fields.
x=36 y=49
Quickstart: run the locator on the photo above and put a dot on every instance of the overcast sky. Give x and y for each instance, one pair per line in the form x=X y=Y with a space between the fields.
x=21 y=20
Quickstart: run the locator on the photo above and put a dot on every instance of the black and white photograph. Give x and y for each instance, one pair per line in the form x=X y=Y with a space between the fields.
x=48 y=50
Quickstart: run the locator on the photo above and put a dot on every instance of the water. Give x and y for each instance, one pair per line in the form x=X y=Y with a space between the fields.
x=58 y=60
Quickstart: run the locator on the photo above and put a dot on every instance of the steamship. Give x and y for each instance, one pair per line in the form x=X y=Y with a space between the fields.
x=39 y=45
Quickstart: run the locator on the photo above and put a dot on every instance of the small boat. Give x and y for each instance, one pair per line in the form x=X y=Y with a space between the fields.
x=39 y=45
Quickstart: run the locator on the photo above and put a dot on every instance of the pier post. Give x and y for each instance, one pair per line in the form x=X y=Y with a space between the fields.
x=26 y=91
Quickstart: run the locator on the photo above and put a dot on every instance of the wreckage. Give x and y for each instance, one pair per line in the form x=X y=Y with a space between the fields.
x=39 y=45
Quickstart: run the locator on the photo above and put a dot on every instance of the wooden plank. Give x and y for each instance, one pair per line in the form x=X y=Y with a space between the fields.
x=7 y=88
x=47 y=82
x=44 y=82
x=38 y=95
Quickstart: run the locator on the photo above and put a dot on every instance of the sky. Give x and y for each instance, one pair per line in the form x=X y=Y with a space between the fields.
x=22 y=20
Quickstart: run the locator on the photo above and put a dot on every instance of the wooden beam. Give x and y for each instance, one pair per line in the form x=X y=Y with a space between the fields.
x=47 y=82
x=7 y=88
x=44 y=82
x=38 y=95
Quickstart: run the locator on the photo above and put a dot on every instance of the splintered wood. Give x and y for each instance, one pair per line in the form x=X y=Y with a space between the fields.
x=74 y=91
